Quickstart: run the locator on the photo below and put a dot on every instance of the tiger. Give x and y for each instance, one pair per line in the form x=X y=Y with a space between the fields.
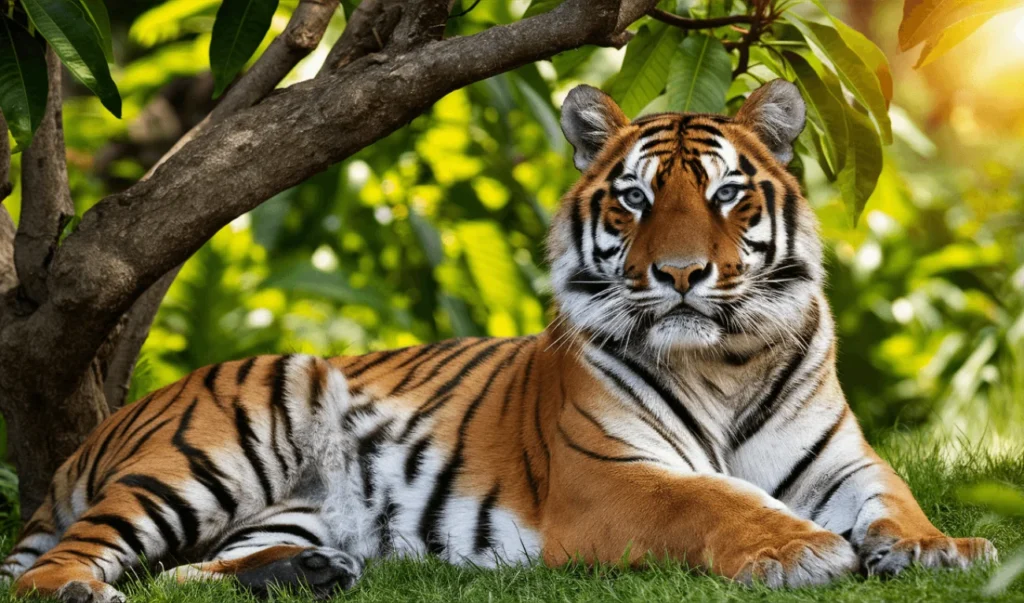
x=682 y=405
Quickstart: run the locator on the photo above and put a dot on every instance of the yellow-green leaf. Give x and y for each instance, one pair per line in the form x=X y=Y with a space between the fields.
x=940 y=44
x=924 y=19
x=645 y=68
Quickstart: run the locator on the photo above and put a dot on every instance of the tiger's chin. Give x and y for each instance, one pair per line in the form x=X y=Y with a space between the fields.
x=684 y=331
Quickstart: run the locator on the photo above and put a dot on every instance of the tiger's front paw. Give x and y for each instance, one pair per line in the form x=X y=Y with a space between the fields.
x=885 y=552
x=809 y=559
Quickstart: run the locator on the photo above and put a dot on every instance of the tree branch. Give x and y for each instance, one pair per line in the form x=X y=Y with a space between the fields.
x=300 y=37
x=45 y=198
x=368 y=30
x=693 y=24
x=129 y=240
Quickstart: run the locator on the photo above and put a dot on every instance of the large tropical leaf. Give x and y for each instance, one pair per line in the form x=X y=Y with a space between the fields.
x=237 y=33
x=825 y=106
x=699 y=75
x=170 y=20
x=645 y=69
x=924 y=19
x=859 y=176
x=68 y=28
x=23 y=83
x=868 y=51
x=940 y=44
x=855 y=73
x=97 y=12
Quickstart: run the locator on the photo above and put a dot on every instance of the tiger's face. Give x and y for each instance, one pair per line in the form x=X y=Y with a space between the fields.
x=685 y=231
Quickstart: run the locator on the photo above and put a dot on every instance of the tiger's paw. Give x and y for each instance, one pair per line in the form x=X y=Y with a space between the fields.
x=92 y=591
x=324 y=570
x=885 y=553
x=808 y=560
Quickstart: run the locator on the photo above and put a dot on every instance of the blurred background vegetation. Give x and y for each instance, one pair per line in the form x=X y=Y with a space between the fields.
x=438 y=230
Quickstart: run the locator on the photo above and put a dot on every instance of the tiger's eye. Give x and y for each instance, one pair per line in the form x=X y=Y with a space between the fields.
x=727 y=194
x=634 y=198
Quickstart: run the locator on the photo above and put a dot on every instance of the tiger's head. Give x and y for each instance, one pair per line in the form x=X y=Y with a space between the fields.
x=685 y=231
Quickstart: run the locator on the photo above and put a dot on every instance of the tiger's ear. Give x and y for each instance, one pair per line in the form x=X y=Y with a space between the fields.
x=776 y=113
x=589 y=118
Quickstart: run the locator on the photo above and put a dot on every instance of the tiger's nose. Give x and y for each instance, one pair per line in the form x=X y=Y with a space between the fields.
x=681 y=278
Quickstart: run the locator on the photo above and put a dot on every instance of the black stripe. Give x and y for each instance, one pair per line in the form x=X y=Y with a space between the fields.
x=576 y=222
x=366 y=449
x=710 y=142
x=152 y=510
x=384 y=522
x=124 y=528
x=675 y=405
x=752 y=422
x=243 y=370
x=375 y=359
x=97 y=541
x=440 y=396
x=595 y=218
x=404 y=384
x=530 y=479
x=170 y=497
x=812 y=454
x=789 y=216
x=249 y=442
x=788 y=272
x=414 y=461
x=650 y=130
x=210 y=381
x=512 y=382
x=616 y=171
x=602 y=457
x=434 y=509
x=768 y=190
x=316 y=388
x=707 y=129
x=585 y=281
x=201 y=466
x=652 y=423
x=278 y=381
x=597 y=424
x=747 y=167
x=21 y=550
x=483 y=539
x=244 y=533
x=837 y=484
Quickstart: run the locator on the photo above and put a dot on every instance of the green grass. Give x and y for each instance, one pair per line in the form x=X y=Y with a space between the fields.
x=934 y=473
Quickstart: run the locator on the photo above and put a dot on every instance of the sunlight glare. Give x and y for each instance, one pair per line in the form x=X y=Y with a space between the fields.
x=1018 y=29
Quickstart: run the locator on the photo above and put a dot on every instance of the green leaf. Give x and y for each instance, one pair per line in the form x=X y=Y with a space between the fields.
x=23 y=83
x=237 y=33
x=568 y=63
x=855 y=74
x=69 y=30
x=97 y=12
x=699 y=75
x=924 y=19
x=545 y=115
x=859 y=176
x=825 y=106
x=645 y=69
x=936 y=46
x=870 y=53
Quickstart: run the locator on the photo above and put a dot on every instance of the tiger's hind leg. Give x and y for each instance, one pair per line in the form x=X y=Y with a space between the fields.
x=286 y=545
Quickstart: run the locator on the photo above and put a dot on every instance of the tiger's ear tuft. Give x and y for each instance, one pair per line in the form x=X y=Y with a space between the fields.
x=589 y=118
x=776 y=113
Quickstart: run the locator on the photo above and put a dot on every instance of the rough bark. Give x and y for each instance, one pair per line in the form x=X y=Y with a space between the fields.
x=129 y=240
x=45 y=198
